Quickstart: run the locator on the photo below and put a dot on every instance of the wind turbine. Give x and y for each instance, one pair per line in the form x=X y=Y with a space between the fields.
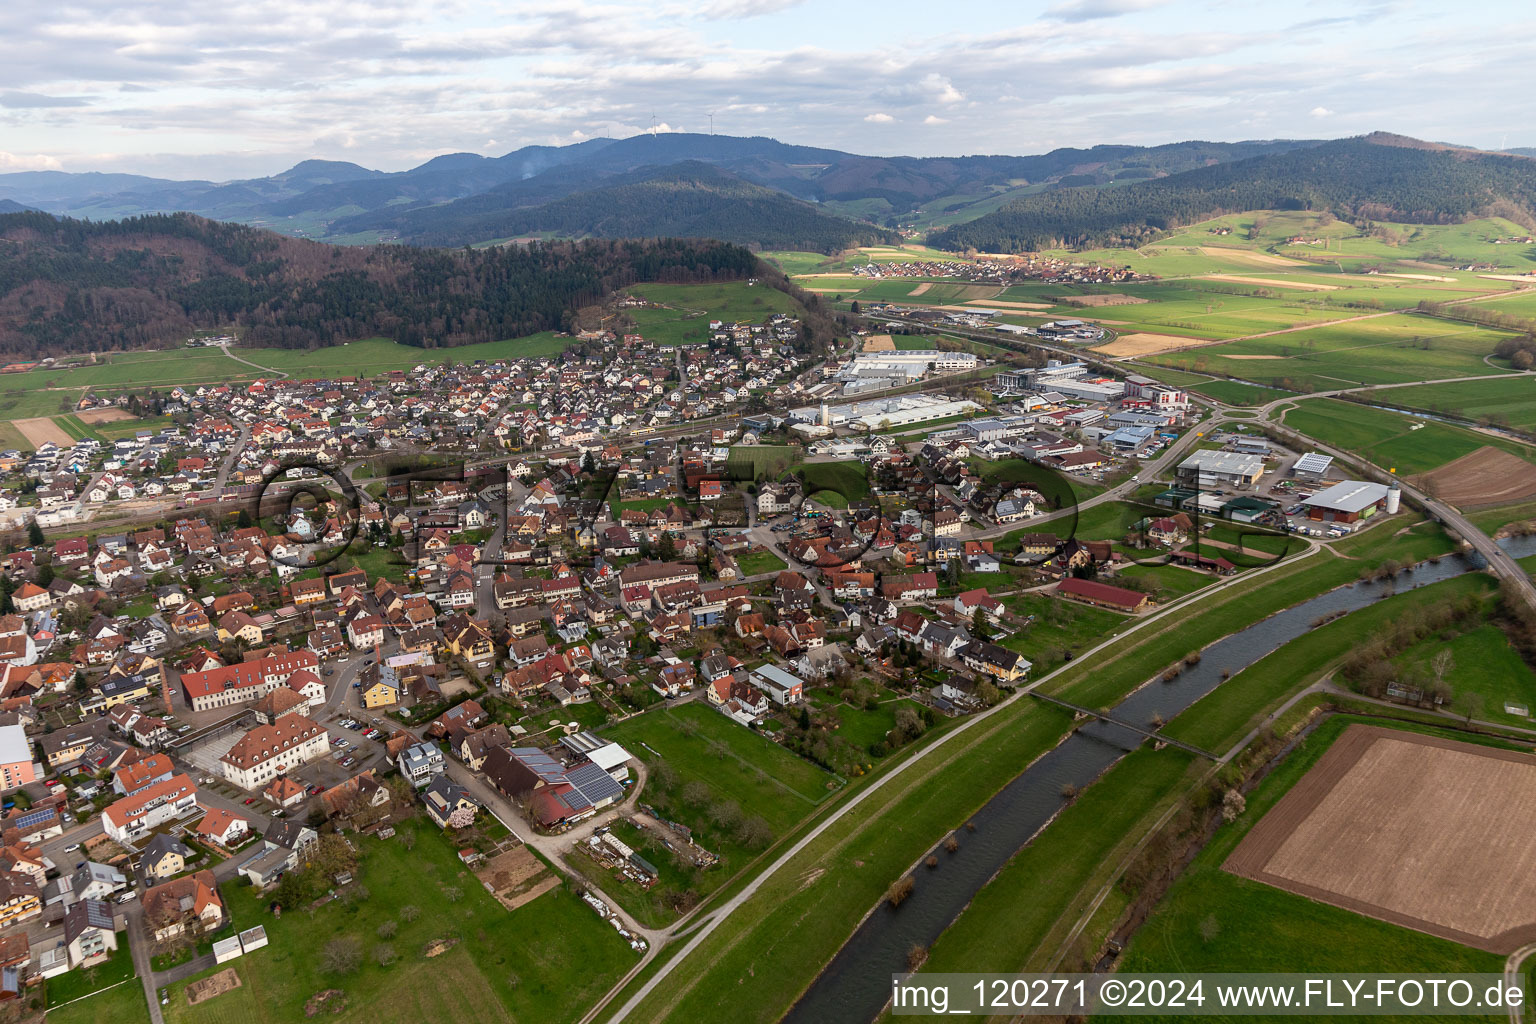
x=653 y=124
x=711 y=122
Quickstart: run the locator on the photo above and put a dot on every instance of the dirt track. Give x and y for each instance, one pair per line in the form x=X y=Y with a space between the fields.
x=1428 y=833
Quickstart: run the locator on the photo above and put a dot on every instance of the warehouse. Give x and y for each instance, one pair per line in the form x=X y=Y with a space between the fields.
x=1312 y=466
x=1220 y=469
x=1351 y=500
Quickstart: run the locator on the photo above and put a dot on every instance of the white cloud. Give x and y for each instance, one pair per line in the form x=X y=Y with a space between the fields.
x=878 y=118
x=934 y=119
x=1321 y=112
x=28 y=162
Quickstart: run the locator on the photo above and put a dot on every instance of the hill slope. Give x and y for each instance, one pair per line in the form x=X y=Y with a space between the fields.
x=68 y=285
x=686 y=200
x=1374 y=177
x=319 y=196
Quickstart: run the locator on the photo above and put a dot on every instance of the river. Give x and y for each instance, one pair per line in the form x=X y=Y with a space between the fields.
x=857 y=983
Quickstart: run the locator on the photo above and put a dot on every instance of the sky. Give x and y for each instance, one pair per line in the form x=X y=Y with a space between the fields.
x=189 y=89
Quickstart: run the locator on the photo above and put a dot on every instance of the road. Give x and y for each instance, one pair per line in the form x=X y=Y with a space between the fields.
x=717 y=915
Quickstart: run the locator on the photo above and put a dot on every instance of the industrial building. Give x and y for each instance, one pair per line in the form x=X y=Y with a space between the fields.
x=1353 y=500
x=883 y=413
x=1312 y=466
x=1220 y=469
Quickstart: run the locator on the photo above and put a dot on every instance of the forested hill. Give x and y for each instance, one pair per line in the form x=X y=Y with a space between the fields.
x=686 y=200
x=1374 y=177
x=69 y=285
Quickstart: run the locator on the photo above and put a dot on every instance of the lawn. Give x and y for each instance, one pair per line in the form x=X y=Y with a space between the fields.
x=1234 y=392
x=548 y=960
x=847 y=480
x=747 y=463
x=757 y=961
x=1171 y=581
x=1409 y=444
x=1056 y=628
x=737 y=763
x=74 y=984
x=754 y=563
x=1213 y=921
x=712 y=774
x=121 y=1005
x=1484 y=664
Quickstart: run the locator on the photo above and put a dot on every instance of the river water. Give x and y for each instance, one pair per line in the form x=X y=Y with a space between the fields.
x=857 y=983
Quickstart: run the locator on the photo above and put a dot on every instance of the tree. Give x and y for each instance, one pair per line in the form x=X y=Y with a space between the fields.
x=385 y=955
x=45 y=574
x=35 y=535
x=243 y=520
x=979 y=624
x=342 y=955
x=409 y=912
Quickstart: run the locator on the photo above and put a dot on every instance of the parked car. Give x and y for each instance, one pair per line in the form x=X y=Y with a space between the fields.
x=249 y=800
x=72 y=847
x=128 y=896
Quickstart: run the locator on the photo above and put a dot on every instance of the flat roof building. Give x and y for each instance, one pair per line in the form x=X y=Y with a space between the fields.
x=1347 y=502
x=1220 y=469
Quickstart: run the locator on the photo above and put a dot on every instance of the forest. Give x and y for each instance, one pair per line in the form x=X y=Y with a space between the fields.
x=145 y=282
x=1365 y=178
x=686 y=200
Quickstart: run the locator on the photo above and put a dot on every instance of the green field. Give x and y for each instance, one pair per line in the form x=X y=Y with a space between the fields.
x=1224 y=716
x=1391 y=440
x=1392 y=349
x=547 y=960
x=1056 y=628
x=690 y=307
x=755 y=563
x=121 y=1005
x=699 y=743
x=1509 y=401
x=46 y=392
x=1213 y=921
x=826 y=482
x=761 y=955
x=1172 y=581
x=1484 y=664
x=1003 y=928
x=762 y=461
x=1233 y=392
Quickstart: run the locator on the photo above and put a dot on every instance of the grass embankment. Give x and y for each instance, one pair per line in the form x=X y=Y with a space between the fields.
x=1226 y=714
x=756 y=963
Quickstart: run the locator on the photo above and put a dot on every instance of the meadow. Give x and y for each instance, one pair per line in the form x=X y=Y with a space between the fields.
x=692 y=306
x=1510 y=401
x=1391 y=349
x=549 y=959
x=1391 y=440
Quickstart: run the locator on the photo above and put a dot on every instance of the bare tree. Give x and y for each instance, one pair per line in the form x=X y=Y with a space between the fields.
x=342 y=955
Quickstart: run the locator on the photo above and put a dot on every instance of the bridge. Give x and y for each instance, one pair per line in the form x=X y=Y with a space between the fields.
x=1112 y=720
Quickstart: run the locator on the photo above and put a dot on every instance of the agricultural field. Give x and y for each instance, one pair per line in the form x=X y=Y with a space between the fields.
x=1211 y=920
x=1390 y=439
x=1386 y=349
x=549 y=959
x=1507 y=401
x=1338 y=836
